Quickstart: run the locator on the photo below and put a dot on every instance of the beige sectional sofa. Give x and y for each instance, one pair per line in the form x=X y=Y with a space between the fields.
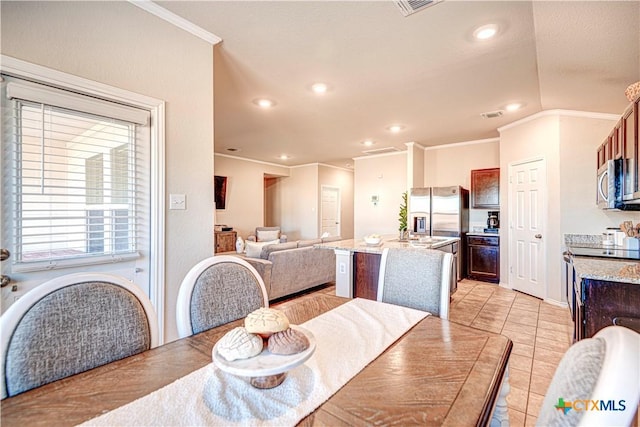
x=291 y=267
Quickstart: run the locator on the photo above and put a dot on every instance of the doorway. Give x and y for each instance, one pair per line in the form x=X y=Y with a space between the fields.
x=330 y=211
x=117 y=226
x=527 y=213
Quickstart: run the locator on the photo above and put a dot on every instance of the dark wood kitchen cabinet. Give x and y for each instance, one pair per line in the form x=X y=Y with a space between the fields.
x=483 y=258
x=616 y=141
x=623 y=143
x=485 y=188
x=366 y=268
x=599 y=302
x=630 y=135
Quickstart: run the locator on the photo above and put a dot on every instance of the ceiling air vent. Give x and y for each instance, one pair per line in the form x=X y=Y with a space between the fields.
x=492 y=114
x=407 y=7
x=381 y=150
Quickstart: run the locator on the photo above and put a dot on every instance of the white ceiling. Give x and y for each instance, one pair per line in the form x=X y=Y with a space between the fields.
x=424 y=71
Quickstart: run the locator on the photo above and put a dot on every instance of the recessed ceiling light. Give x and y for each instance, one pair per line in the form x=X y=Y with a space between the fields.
x=513 y=107
x=319 y=88
x=395 y=128
x=283 y=157
x=264 y=102
x=368 y=143
x=485 y=32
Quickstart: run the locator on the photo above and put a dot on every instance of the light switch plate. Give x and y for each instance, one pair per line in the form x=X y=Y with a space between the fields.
x=177 y=201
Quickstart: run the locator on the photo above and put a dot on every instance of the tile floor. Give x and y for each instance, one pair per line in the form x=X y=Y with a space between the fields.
x=541 y=333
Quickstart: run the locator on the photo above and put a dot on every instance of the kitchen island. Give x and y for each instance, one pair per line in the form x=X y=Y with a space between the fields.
x=358 y=264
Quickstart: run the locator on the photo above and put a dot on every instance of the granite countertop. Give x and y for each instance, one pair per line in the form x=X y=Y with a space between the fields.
x=483 y=234
x=357 y=245
x=607 y=269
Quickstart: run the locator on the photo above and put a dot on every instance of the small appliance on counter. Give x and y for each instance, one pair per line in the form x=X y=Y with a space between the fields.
x=493 y=222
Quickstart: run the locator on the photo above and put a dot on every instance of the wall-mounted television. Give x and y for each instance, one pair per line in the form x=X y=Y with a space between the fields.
x=220 y=188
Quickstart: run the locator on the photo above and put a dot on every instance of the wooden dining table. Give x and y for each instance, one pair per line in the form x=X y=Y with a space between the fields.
x=437 y=373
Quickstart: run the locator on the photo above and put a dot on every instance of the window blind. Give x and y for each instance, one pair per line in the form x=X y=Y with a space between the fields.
x=74 y=175
x=56 y=97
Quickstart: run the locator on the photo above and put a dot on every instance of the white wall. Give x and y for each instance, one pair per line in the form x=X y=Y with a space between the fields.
x=567 y=140
x=579 y=139
x=300 y=207
x=386 y=177
x=535 y=138
x=244 y=209
x=343 y=179
x=415 y=165
x=452 y=165
x=119 y=44
x=289 y=197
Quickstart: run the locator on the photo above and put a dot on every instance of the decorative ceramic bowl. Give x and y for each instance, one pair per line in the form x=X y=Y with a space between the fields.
x=266 y=370
x=372 y=240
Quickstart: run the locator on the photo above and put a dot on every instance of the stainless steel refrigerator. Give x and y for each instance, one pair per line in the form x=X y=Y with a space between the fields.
x=441 y=211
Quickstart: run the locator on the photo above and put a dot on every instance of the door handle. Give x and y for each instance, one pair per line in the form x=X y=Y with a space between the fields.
x=4 y=280
x=602 y=177
x=538 y=236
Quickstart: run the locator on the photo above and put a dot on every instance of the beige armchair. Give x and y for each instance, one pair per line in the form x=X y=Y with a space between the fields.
x=265 y=234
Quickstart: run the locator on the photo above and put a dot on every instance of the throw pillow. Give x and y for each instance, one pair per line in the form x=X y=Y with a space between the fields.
x=253 y=249
x=267 y=235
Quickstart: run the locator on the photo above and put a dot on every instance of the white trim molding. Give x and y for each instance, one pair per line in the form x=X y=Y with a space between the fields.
x=461 y=144
x=178 y=21
x=415 y=144
x=569 y=113
x=26 y=70
x=373 y=156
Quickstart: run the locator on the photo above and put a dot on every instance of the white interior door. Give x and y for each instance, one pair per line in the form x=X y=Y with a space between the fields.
x=330 y=215
x=527 y=196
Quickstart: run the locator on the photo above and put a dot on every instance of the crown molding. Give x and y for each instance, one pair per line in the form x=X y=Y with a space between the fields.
x=415 y=144
x=251 y=160
x=460 y=144
x=282 y=166
x=371 y=156
x=570 y=113
x=176 y=20
x=322 y=164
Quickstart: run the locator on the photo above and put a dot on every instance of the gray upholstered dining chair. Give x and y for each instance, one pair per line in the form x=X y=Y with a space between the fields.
x=218 y=290
x=604 y=371
x=416 y=278
x=71 y=324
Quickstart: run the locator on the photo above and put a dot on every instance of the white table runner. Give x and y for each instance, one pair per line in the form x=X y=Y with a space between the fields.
x=348 y=338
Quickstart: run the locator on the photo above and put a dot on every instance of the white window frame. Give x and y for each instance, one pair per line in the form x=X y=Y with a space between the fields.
x=28 y=71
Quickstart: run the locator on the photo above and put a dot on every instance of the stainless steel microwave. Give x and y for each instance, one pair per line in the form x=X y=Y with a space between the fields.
x=609 y=176
x=609 y=187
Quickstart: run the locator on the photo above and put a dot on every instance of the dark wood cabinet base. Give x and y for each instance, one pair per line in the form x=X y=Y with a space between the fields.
x=366 y=268
x=604 y=301
x=483 y=258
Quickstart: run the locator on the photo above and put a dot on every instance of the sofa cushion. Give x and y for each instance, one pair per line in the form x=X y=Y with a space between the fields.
x=331 y=239
x=253 y=249
x=310 y=242
x=267 y=249
x=267 y=235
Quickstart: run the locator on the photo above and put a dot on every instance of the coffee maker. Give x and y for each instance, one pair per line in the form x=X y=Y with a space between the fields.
x=493 y=221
